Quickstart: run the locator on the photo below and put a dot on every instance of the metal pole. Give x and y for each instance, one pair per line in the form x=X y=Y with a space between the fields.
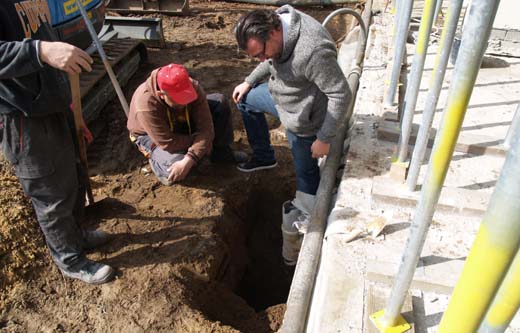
x=404 y=11
x=298 y=302
x=346 y=11
x=513 y=128
x=410 y=99
x=494 y=249
x=471 y=52
x=439 y=70
x=99 y=48
x=437 y=11
x=506 y=302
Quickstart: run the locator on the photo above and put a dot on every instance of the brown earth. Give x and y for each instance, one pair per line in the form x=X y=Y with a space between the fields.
x=200 y=256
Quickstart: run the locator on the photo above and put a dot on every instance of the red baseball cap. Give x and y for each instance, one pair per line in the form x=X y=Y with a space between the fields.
x=174 y=79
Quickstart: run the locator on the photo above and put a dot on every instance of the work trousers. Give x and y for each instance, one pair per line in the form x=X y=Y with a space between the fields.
x=43 y=152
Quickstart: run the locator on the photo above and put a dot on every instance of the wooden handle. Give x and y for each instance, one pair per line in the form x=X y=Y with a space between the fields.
x=78 y=122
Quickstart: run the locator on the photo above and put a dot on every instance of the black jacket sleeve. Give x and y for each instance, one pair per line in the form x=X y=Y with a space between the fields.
x=18 y=58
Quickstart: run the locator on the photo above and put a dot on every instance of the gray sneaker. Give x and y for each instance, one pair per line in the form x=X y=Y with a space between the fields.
x=95 y=238
x=92 y=272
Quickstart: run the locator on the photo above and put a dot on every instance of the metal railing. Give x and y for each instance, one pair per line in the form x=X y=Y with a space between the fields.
x=474 y=41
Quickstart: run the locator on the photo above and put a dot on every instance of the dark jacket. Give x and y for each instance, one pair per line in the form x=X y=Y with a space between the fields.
x=27 y=85
x=168 y=127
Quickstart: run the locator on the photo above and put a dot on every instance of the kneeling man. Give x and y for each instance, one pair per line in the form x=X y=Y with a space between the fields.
x=175 y=124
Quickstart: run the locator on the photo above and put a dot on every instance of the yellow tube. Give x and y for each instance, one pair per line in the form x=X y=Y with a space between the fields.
x=477 y=284
x=506 y=302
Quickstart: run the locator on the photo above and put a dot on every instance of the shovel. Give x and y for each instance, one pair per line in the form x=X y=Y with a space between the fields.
x=78 y=122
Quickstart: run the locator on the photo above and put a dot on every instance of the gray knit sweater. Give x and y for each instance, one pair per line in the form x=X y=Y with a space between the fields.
x=308 y=87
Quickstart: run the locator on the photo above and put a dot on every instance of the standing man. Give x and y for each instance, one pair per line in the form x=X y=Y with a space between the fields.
x=174 y=124
x=306 y=89
x=37 y=132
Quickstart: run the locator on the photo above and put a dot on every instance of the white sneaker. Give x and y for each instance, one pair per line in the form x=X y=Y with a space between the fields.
x=92 y=272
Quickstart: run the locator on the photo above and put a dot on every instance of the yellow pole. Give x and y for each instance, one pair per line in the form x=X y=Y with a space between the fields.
x=506 y=302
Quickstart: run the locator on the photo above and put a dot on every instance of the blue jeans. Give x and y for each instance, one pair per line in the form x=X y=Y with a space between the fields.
x=253 y=106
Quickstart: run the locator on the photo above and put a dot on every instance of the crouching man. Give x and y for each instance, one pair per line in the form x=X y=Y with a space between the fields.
x=175 y=124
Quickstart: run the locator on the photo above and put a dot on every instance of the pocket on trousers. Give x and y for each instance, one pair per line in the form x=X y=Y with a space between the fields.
x=25 y=144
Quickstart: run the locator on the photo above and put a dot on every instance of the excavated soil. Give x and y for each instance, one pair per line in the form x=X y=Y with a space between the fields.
x=200 y=256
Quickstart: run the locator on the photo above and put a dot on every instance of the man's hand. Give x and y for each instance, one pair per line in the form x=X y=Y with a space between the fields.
x=319 y=148
x=180 y=169
x=65 y=56
x=240 y=91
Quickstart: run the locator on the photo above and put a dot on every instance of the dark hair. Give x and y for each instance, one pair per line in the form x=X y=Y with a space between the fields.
x=256 y=24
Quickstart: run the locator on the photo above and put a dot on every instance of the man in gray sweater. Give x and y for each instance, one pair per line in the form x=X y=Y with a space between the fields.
x=306 y=89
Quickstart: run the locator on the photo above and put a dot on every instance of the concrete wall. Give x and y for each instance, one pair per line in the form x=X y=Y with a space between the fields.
x=507 y=15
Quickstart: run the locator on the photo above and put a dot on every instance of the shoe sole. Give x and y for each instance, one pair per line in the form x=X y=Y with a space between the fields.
x=258 y=168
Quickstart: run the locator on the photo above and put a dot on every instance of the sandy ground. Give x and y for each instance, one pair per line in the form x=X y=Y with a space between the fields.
x=200 y=256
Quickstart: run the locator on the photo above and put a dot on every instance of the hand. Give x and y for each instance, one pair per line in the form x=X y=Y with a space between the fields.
x=180 y=169
x=319 y=148
x=240 y=91
x=65 y=56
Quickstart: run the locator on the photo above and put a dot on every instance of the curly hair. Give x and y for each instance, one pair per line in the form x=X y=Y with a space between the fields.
x=256 y=24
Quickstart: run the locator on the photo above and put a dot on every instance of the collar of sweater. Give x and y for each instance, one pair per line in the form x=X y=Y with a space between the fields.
x=293 y=32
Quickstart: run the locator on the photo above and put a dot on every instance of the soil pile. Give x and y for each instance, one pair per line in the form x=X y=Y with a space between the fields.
x=21 y=245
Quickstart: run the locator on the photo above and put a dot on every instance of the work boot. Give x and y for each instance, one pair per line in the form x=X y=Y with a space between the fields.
x=292 y=242
x=95 y=238
x=290 y=215
x=91 y=272
x=292 y=239
x=305 y=203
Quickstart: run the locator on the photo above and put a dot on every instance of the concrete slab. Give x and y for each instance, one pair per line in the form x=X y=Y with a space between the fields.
x=430 y=275
x=455 y=200
x=467 y=143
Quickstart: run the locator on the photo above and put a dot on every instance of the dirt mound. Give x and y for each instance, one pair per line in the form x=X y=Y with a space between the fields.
x=21 y=245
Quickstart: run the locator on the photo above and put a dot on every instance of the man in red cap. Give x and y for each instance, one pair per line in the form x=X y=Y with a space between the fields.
x=175 y=124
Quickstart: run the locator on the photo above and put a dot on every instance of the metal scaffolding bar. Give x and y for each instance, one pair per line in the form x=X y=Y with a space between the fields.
x=404 y=11
x=494 y=249
x=439 y=70
x=102 y=54
x=410 y=99
x=513 y=128
x=474 y=37
x=506 y=302
x=438 y=8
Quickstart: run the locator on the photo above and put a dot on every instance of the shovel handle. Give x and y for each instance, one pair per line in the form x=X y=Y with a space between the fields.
x=78 y=122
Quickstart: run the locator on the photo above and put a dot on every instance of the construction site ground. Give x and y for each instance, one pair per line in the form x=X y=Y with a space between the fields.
x=204 y=255
x=200 y=256
x=358 y=267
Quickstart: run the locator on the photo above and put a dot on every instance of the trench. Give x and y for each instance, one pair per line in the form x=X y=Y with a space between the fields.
x=266 y=280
